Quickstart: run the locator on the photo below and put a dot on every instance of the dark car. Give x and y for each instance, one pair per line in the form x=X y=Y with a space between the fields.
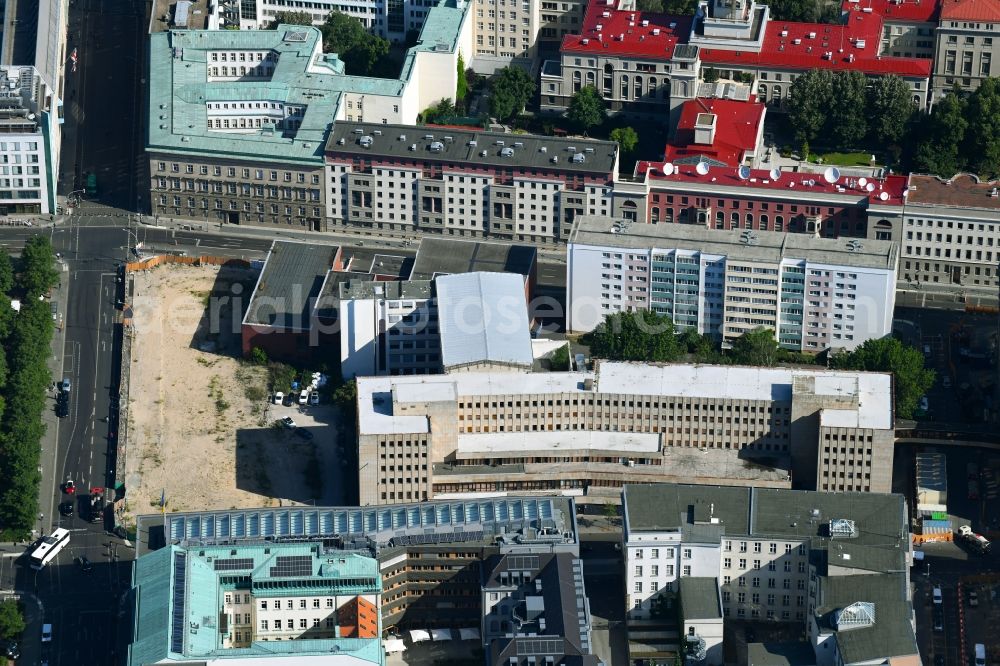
x=66 y=508
x=303 y=433
x=85 y=564
x=62 y=406
x=11 y=650
x=938 y=619
x=939 y=660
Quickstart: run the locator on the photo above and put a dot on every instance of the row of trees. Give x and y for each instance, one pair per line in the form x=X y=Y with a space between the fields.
x=653 y=338
x=848 y=110
x=24 y=378
x=962 y=133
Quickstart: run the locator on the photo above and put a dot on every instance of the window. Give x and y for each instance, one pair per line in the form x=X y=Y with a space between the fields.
x=686 y=571
x=638 y=586
x=687 y=554
x=638 y=571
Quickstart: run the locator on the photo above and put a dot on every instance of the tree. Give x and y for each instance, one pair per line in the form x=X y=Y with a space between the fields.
x=11 y=620
x=702 y=347
x=360 y=50
x=757 y=347
x=710 y=74
x=626 y=138
x=889 y=109
x=808 y=104
x=982 y=111
x=910 y=378
x=649 y=6
x=258 y=356
x=587 y=108
x=560 y=359
x=937 y=138
x=635 y=336
x=6 y=273
x=38 y=271
x=440 y=113
x=512 y=89
x=462 y=87
x=846 y=117
x=291 y=18
x=346 y=395
x=680 y=7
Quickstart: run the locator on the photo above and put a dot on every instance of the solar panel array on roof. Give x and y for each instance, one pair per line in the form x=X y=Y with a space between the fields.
x=539 y=646
x=234 y=564
x=519 y=562
x=177 y=618
x=288 y=566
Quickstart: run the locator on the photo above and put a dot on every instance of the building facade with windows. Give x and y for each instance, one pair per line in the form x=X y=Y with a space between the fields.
x=811 y=558
x=430 y=556
x=967 y=43
x=465 y=183
x=425 y=437
x=30 y=131
x=214 y=602
x=814 y=293
x=950 y=235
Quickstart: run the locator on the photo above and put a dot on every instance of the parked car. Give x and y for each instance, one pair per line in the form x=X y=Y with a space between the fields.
x=279 y=397
x=288 y=400
x=938 y=619
x=11 y=650
x=314 y=398
x=973 y=598
x=304 y=397
x=62 y=406
x=936 y=595
x=65 y=385
x=46 y=633
x=946 y=382
x=303 y=433
x=924 y=404
x=66 y=508
x=85 y=565
x=927 y=350
x=289 y=422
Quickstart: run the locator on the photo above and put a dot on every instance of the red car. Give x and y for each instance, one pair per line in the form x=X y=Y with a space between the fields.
x=69 y=488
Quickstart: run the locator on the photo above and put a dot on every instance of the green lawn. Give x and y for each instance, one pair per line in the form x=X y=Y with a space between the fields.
x=843 y=159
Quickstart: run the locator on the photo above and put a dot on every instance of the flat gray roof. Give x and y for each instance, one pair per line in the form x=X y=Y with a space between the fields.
x=700 y=598
x=780 y=654
x=483 y=317
x=291 y=280
x=448 y=144
x=445 y=256
x=742 y=244
x=367 y=288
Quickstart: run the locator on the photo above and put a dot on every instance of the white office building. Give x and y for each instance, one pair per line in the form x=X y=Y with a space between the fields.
x=29 y=142
x=815 y=293
x=835 y=562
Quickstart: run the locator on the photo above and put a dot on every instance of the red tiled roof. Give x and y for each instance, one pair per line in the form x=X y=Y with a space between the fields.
x=736 y=129
x=859 y=37
x=899 y=11
x=623 y=32
x=971 y=10
x=799 y=183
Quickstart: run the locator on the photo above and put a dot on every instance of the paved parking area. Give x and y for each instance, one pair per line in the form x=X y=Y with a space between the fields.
x=982 y=620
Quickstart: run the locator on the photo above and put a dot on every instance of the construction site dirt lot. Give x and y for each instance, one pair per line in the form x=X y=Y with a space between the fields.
x=202 y=430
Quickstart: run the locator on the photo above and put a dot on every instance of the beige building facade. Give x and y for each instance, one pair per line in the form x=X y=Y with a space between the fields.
x=967 y=45
x=584 y=433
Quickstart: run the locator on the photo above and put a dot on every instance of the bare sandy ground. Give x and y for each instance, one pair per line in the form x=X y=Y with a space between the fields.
x=200 y=427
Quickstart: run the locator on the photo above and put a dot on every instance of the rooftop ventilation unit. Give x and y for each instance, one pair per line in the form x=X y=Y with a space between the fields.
x=555 y=159
x=358 y=130
x=366 y=141
x=482 y=154
x=843 y=528
x=656 y=31
x=428 y=137
x=507 y=152
x=860 y=44
x=413 y=147
x=543 y=149
x=645 y=23
x=519 y=144
x=584 y=41
x=402 y=137
x=340 y=141
x=500 y=143
x=578 y=158
x=589 y=150
x=437 y=147
x=448 y=139
x=473 y=143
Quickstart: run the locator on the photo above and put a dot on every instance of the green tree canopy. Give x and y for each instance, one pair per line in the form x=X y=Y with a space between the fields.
x=810 y=11
x=6 y=273
x=587 y=108
x=808 y=103
x=11 y=620
x=626 y=138
x=38 y=271
x=757 y=347
x=938 y=137
x=846 y=123
x=910 y=378
x=512 y=89
x=291 y=18
x=440 y=113
x=635 y=336
x=560 y=359
x=462 y=86
x=889 y=108
x=360 y=50
x=982 y=112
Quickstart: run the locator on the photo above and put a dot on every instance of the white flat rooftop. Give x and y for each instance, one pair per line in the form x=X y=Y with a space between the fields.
x=549 y=441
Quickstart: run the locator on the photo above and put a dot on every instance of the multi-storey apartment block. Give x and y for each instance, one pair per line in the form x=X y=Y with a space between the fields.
x=950 y=236
x=465 y=183
x=582 y=432
x=30 y=120
x=814 y=293
x=967 y=43
x=836 y=563
x=206 y=603
x=429 y=555
x=642 y=62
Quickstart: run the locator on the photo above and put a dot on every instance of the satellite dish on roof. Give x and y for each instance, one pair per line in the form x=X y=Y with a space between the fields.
x=775 y=173
x=883 y=196
x=701 y=168
x=870 y=187
x=668 y=169
x=862 y=181
x=743 y=172
x=831 y=175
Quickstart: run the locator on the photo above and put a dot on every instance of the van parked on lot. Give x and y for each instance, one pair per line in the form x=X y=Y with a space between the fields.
x=979 y=651
x=936 y=595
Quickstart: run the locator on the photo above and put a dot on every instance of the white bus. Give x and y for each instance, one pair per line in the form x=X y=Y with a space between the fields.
x=50 y=546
